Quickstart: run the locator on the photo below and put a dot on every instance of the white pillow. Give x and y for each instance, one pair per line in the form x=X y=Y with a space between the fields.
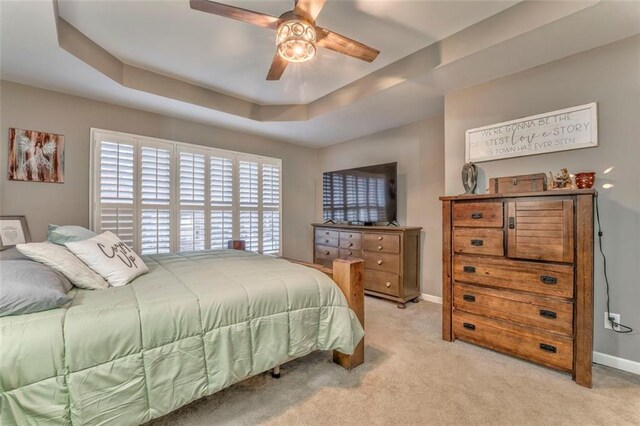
x=62 y=260
x=109 y=257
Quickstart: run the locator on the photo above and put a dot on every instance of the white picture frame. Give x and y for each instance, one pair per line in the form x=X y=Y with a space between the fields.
x=13 y=231
x=561 y=130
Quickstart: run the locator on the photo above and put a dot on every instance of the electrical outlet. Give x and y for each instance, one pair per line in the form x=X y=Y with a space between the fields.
x=607 y=323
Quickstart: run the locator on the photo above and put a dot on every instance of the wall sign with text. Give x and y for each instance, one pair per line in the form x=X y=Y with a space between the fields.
x=562 y=130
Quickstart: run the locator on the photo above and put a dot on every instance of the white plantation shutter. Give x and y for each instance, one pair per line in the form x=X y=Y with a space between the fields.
x=192 y=230
x=120 y=221
x=155 y=198
x=162 y=196
x=192 y=180
x=116 y=163
x=155 y=230
x=221 y=186
x=221 y=228
x=270 y=186
x=248 y=184
x=249 y=229
x=249 y=194
x=271 y=209
x=221 y=181
x=156 y=175
x=271 y=232
x=116 y=210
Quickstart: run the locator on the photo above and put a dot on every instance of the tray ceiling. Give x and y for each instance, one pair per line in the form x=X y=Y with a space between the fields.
x=148 y=58
x=233 y=57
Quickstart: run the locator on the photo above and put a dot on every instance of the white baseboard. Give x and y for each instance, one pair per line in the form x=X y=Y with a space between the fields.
x=431 y=298
x=615 y=362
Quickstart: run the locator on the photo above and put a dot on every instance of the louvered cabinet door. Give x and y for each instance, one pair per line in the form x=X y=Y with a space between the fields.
x=540 y=230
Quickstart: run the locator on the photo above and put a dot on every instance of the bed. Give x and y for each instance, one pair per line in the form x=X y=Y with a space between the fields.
x=195 y=324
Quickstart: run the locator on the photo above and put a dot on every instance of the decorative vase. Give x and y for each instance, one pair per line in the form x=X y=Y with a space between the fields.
x=585 y=180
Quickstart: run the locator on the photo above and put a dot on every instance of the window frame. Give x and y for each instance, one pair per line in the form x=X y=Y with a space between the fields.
x=98 y=135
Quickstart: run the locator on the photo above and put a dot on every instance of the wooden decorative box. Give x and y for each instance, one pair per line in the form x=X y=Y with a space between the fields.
x=536 y=182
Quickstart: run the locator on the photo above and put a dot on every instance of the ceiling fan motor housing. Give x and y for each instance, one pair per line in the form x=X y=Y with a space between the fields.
x=296 y=38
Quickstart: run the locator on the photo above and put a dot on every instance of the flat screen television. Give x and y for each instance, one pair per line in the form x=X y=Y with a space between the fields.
x=362 y=195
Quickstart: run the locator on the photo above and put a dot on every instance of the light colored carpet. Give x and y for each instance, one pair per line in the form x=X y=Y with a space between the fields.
x=412 y=377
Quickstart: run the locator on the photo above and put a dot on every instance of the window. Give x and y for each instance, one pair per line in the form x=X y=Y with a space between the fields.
x=162 y=196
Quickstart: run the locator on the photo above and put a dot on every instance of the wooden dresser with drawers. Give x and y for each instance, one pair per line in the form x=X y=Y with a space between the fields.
x=518 y=276
x=391 y=256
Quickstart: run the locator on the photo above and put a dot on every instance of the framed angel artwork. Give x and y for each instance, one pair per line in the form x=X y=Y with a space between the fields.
x=36 y=156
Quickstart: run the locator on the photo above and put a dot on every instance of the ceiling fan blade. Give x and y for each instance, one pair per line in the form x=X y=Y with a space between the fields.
x=309 y=8
x=255 y=18
x=339 y=43
x=277 y=68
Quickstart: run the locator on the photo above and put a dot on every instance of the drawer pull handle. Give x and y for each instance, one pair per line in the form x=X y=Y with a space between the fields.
x=547 y=279
x=326 y=252
x=326 y=241
x=476 y=215
x=469 y=326
x=350 y=244
x=469 y=269
x=326 y=233
x=512 y=223
x=548 y=348
x=548 y=314
x=350 y=253
x=379 y=247
x=379 y=261
x=350 y=235
x=379 y=238
x=469 y=298
x=388 y=284
x=477 y=243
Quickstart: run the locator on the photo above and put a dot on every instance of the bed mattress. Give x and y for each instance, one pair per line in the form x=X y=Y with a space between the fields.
x=195 y=324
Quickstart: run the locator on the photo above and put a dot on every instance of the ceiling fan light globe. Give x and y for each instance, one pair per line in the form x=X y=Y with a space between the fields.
x=296 y=41
x=283 y=33
x=310 y=34
x=297 y=29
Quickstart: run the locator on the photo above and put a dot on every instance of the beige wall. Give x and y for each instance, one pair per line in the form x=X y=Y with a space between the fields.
x=609 y=76
x=68 y=203
x=418 y=148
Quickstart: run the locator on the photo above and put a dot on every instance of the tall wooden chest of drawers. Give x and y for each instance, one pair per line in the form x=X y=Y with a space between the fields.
x=391 y=256
x=518 y=276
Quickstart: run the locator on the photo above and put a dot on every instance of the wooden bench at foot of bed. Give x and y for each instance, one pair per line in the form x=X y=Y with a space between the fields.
x=349 y=275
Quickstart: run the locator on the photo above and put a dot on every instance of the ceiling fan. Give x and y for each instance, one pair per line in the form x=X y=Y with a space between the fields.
x=297 y=33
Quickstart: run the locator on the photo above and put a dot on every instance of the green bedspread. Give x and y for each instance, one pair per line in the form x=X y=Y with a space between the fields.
x=195 y=324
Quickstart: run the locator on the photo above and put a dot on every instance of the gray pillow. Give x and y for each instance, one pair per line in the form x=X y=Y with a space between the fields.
x=68 y=233
x=28 y=287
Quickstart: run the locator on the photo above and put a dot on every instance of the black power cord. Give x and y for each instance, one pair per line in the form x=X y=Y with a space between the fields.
x=616 y=326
